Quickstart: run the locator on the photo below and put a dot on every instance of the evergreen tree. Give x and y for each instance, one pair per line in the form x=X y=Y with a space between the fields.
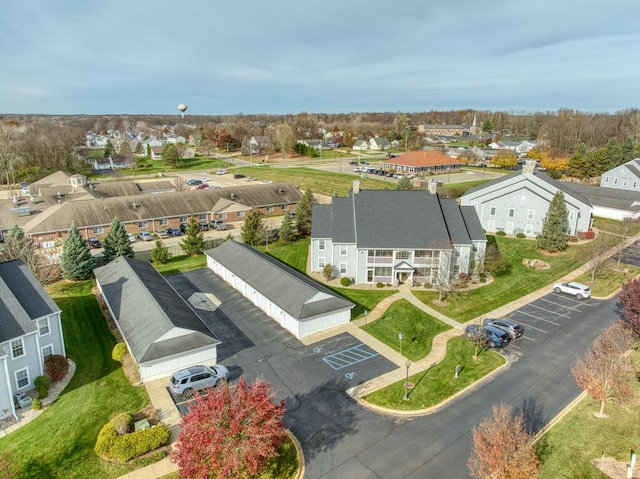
x=193 y=243
x=554 y=226
x=171 y=156
x=404 y=183
x=628 y=150
x=108 y=148
x=160 y=253
x=614 y=151
x=304 y=213
x=288 y=231
x=252 y=228
x=76 y=260
x=117 y=242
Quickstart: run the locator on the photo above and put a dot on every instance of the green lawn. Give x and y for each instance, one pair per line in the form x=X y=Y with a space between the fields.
x=439 y=383
x=519 y=281
x=417 y=327
x=182 y=264
x=610 y=278
x=293 y=254
x=153 y=167
x=614 y=226
x=364 y=299
x=59 y=443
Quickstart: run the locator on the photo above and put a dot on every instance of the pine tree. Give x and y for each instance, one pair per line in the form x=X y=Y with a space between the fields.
x=554 y=226
x=108 y=148
x=252 y=228
x=304 y=213
x=171 y=156
x=117 y=242
x=288 y=231
x=404 y=184
x=193 y=243
x=76 y=260
x=160 y=253
x=628 y=150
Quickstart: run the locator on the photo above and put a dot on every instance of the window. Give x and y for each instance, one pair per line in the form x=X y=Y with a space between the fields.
x=321 y=262
x=17 y=348
x=615 y=181
x=492 y=211
x=343 y=268
x=164 y=222
x=239 y=215
x=43 y=326
x=624 y=182
x=202 y=216
x=321 y=245
x=47 y=351
x=97 y=230
x=512 y=212
x=572 y=215
x=343 y=250
x=491 y=225
x=530 y=214
x=606 y=179
x=635 y=185
x=528 y=230
x=143 y=224
x=22 y=378
x=184 y=219
x=222 y=216
x=403 y=255
x=269 y=209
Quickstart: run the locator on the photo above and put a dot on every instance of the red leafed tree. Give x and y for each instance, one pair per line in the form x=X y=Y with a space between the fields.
x=502 y=448
x=605 y=371
x=230 y=433
x=630 y=297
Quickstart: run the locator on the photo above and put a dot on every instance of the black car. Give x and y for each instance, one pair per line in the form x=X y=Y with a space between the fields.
x=183 y=228
x=364 y=162
x=95 y=243
x=238 y=175
x=173 y=232
x=353 y=162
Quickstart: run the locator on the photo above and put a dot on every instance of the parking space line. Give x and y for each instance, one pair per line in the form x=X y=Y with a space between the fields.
x=347 y=357
x=549 y=311
x=533 y=327
x=536 y=317
x=568 y=307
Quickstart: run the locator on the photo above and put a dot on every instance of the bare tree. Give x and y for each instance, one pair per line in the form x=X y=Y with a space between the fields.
x=623 y=232
x=179 y=183
x=476 y=337
x=595 y=254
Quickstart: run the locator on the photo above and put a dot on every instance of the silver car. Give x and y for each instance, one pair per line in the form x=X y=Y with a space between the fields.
x=197 y=378
x=512 y=328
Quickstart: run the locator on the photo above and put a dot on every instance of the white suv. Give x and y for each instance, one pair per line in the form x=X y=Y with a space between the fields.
x=197 y=378
x=579 y=290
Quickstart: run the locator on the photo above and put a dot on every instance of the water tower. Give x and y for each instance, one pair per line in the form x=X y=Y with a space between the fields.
x=182 y=107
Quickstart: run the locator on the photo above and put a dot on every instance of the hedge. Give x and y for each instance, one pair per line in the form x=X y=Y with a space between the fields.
x=119 y=350
x=123 y=448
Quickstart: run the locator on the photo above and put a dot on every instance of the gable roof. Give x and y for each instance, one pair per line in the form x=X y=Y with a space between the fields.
x=423 y=158
x=154 y=319
x=292 y=291
x=633 y=166
x=614 y=198
x=22 y=300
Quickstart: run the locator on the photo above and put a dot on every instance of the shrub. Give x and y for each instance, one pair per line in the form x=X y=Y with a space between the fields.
x=589 y=235
x=463 y=277
x=427 y=285
x=344 y=281
x=501 y=233
x=56 y=367
x=379 y=284
x=129 y=446
x=555 y=174
x=119 y=350
x=42 y=384
x=36 y=404
x=122 y=423
x=521 y=235
x=573 y=239
x=327 y=272
x=388 y=285
x=416 y=284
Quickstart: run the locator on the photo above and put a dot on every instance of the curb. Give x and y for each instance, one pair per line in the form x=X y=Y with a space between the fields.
x=559 y=416
x=299 y=453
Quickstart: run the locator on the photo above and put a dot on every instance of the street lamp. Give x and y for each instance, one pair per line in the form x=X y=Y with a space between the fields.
x=365 y=316
x=406 y=382
x=400 y=338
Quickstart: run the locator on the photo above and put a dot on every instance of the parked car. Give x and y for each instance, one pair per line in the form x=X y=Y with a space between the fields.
x=204 y=226
x=197 y=378
x=217 y=224
x=95 y=243
x=173 y=232
x=183 y=228
x=266 y=182
x=493 y=337
x=145 y=236
x=364 y=162
x=162 y=233
x=203 y=186
x=132 y=237
x=512 y=328
x=250 y=178
x=237 y=176
x=222 y=172
x=193 y=182
x=579 y=290
x=353 y=162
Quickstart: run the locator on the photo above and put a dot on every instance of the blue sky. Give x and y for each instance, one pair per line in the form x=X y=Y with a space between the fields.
x=290 y=56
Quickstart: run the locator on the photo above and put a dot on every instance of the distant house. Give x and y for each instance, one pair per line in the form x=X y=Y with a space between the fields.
x=520 y=147
x=295 y=302
x=155 y=152
x=257 y=145
x=30 y=330
x=148 y=143
x=387 y=236
x=421 y=163
x=379 y=143
x=317 y=145
x=623 y=177
x=360 y=145
x=162 y=331
x=518 y=203
x=174 y=139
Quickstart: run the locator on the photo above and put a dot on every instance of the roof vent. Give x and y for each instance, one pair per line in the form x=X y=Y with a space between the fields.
x=280 y=190
x=135 y=205
x=233 y=195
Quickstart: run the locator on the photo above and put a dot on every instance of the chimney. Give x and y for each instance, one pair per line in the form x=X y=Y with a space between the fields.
x=356 y=186
x=433 y=186
x=529 y=166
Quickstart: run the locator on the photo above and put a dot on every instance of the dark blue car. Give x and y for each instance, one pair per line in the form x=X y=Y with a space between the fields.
x=173 y=232
x=493 y=337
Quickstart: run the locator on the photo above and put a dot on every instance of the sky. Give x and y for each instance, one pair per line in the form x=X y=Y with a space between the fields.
x=335 y=56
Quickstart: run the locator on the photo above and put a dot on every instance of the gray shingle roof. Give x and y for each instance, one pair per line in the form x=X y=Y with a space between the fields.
x=22 y=300
x=610 y=197
x=155 y=321
x=472 y=222
x=292 y=291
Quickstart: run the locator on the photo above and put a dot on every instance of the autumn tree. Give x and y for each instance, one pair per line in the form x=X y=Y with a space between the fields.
x=76 y=260
x=285 y=139
x=304 y=212
x=117 y=242
x=252 y=228
x=605 y=372
x=230 y=433
x=554 y=160
x=505 y=159
x=18 y=246
x=502 y=447
x=630 y=297
x=554 y=226
x=179 y=183
x=193 y=243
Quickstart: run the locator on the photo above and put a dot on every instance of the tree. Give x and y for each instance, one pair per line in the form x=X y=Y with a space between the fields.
x=476 y=337
x=230 y=433
x=287 y=231
x=615 y=153
x=304 y=212
x=594 y=254
x=554 y=226
x=193 y=243
x=18 y=246
x=605 y=371
x=108 y=148
x=502 y=448
x=623 y=231
x=505 y=159
x=117 y=242
x=171 y=156
x=628 y=150
x=252 y=228
x=160 y=253
x=404 y=183
x=76 y=260
x=285 y=138
x=630 y=297
x=179 y=183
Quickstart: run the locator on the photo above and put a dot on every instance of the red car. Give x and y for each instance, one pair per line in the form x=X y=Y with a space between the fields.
x=203 y=186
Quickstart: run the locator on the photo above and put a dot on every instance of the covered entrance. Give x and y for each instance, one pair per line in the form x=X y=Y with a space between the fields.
x=403 y=272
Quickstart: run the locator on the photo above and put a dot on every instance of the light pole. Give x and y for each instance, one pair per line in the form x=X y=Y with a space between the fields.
x=400 y=338
x=365 y=316
x=406 y=382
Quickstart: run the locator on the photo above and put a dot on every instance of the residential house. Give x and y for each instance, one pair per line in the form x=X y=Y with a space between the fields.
x=360 y=145
x=623 y=177
x=155 y=152
x=162 y=331
x=257 y=145
x=30 y=330
x=520 y=147
x=611 y=202
x=386 y=236
x=148 y=143
x=295 y=302
x=421 y=163
x=174 y=139
x=518 y=203
x=379 y=143
x=112 y=163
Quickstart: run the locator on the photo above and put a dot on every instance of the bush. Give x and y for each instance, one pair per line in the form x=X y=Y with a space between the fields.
x=119 y=350
x=344 y=281
x=501 y=233
x=388 y=285
x=42 y=384
x=589 y=235
x=573 y=239
x=56 y=367
x=416 y=284
x=327 y=272
x=122 y=423
x=555 y=174
x=521 y=235
x=36 y=404
x=113 y=447
x=379 y=284
x=463 y=277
